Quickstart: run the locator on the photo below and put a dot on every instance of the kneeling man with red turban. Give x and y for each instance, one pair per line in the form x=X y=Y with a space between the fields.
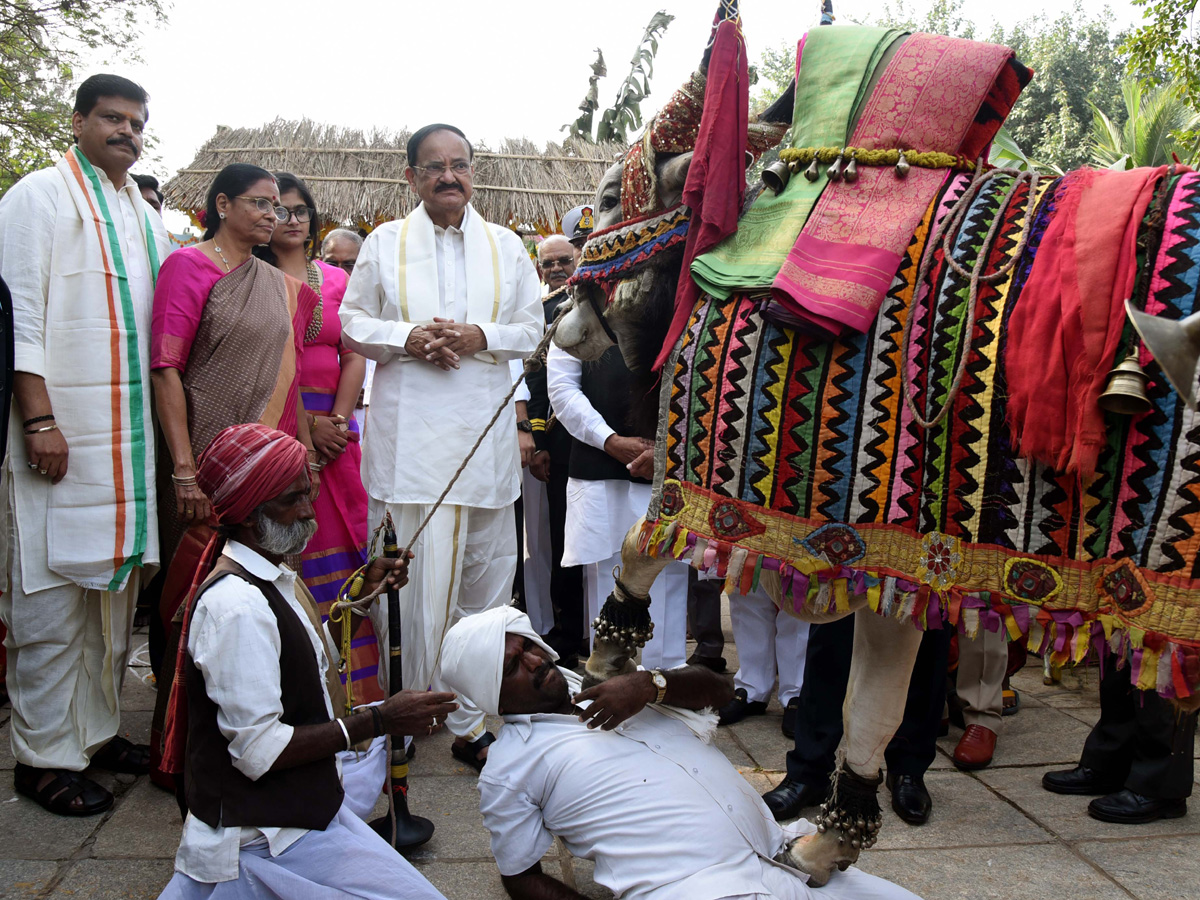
x=251 y=717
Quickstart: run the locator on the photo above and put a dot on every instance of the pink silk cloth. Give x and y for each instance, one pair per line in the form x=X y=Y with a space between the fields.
x=936 y=94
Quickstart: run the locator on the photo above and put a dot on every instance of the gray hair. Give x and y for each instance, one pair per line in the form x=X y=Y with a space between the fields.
x=343 y=234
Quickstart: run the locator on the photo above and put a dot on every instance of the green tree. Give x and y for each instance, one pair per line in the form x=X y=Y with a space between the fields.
x=1153 y=118
x=1168 y=39
x=41 y=44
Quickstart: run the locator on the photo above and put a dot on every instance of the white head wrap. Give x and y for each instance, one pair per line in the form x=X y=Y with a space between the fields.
x=473 y=654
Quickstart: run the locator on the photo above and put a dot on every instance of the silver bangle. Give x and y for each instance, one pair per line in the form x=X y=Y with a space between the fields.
x=345 y=732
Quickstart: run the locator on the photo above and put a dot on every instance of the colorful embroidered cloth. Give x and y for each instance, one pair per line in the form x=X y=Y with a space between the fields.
x=834 y=69
x=936 y=94
x=785 y=452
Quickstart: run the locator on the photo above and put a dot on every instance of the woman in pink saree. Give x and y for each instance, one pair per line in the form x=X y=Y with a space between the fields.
x=330 y=380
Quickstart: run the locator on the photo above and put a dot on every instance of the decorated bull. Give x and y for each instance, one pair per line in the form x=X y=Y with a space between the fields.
x=883 y=385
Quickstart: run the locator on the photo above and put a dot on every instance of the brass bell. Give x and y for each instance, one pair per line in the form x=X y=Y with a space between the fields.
x=851 y=173
x=1175 y=346
x=813 y=172
x=834 y=172
x=776 y=176
x=1126 y=390
x=902 y=166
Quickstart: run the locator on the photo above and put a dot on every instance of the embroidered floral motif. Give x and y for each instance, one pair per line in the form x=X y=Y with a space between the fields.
x=1031 y=580
x=729 y=521
x=837 y=543
x=1123 y=585
x=940 y=557
x=671 y=504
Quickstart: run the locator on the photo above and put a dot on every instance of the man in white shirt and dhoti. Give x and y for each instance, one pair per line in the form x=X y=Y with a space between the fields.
x=442 y=300
x=626 y=774
x=80 y=250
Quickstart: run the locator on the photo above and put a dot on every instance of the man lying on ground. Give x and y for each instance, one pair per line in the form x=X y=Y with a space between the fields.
x=623 y=779
x=262 y=775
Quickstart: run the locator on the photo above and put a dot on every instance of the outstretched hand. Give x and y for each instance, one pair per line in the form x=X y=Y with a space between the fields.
x=617 y=699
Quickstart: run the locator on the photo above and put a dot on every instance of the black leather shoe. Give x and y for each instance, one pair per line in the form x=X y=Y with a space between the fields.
x=716 y=663
x=1079 y=780
x=910 y=799
x=1127 y=808
x=787 y=799
x=791 y=712
x=739 y=708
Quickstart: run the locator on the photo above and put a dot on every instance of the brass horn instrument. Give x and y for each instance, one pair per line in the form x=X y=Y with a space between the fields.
x=776 y=176
x=1175 y=346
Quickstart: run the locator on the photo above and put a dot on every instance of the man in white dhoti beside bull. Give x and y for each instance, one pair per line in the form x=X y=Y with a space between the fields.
x=626 y=774
x=442 y=300
x=271 y=810
x=80 y=250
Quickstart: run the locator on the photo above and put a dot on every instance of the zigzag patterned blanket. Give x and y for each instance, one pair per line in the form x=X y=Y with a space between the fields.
x=787 y=452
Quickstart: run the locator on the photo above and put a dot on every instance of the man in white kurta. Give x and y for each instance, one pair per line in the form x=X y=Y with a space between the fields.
x=79 y=249
x=441 y=300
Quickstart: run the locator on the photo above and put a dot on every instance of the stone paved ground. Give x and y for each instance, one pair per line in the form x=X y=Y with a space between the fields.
x=993 y=833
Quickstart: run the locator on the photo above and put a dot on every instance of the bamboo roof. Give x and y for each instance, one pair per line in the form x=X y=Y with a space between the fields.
x=357 y=177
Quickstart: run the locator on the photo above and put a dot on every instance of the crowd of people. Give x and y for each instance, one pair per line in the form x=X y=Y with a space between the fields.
x=218 y=433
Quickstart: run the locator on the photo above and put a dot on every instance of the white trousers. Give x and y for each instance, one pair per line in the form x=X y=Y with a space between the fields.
x=770 y=642
x=538 y=553
x=463 y=563
x=67 y=652
x=668 y=609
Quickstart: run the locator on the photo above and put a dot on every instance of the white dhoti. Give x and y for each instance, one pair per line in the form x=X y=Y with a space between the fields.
x=463 y=563
x=770 y=642
x=538 y=554
x=347 y=859
x=363 y=775
x=67 y=652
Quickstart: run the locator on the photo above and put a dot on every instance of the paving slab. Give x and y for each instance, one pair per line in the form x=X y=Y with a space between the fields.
x=1036 y=736
x=7 y=760
x=112 y=879
x=1066 y=816
x=144 y=825
x=1001 y=872
x=965 y=813
x=1155 y=869
x=29 y=832
x=22 y=879
x=137 y=694
x=452 y=804
x=762 y=740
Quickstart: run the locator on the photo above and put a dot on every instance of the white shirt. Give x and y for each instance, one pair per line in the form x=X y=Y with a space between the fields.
x=424 y=419
x=234 y=640
x=662 y=814
x=599 y=513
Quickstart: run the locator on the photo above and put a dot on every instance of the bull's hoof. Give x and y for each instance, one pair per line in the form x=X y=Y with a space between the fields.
x=602 y=668
x=817 y=855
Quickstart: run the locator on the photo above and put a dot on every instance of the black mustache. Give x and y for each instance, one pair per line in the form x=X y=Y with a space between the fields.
x=127 y=142
x=540 y=676
x=447 y=187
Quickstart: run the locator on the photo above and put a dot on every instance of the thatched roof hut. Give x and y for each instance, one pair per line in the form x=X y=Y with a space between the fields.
x=358 y=178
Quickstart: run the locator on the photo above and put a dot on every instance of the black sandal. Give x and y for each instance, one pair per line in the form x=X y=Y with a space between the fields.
x=120 y=755
x=56 y=797
x=469 y=753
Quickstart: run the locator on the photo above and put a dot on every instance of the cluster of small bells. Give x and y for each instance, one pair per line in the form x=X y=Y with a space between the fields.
x=628 y=637
x=861 y=831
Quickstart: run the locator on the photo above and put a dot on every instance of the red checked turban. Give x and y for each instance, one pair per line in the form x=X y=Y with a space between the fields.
x=245 y=466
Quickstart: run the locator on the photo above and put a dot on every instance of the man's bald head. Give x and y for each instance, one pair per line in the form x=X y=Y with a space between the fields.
x=340 y=248
x=556 y=260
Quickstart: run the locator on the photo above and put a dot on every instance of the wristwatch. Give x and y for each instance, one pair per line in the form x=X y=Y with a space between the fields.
x=525 y=425
x=660 y=683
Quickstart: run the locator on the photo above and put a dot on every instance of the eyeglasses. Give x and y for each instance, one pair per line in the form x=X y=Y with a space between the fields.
x=562 y=262
x=437 y=170
x=302 y=213
x=262 y=204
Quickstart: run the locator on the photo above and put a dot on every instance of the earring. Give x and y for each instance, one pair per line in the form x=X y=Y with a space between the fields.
x=221 y=214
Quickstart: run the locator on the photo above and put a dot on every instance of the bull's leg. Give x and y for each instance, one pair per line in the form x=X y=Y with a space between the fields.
x=884 y=653
x=624 y=623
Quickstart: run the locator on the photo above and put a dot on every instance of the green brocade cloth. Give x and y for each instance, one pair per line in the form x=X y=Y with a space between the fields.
x=836 y=66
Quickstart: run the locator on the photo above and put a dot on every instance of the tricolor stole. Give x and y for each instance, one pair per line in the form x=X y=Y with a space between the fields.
x=128 y=407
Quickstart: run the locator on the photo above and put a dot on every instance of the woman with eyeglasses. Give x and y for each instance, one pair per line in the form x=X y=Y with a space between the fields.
x=330 y=379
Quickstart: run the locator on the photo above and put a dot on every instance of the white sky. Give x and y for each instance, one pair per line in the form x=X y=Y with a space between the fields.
x=494 y=69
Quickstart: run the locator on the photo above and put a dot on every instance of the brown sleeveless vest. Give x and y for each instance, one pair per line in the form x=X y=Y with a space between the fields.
x=304 y=796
